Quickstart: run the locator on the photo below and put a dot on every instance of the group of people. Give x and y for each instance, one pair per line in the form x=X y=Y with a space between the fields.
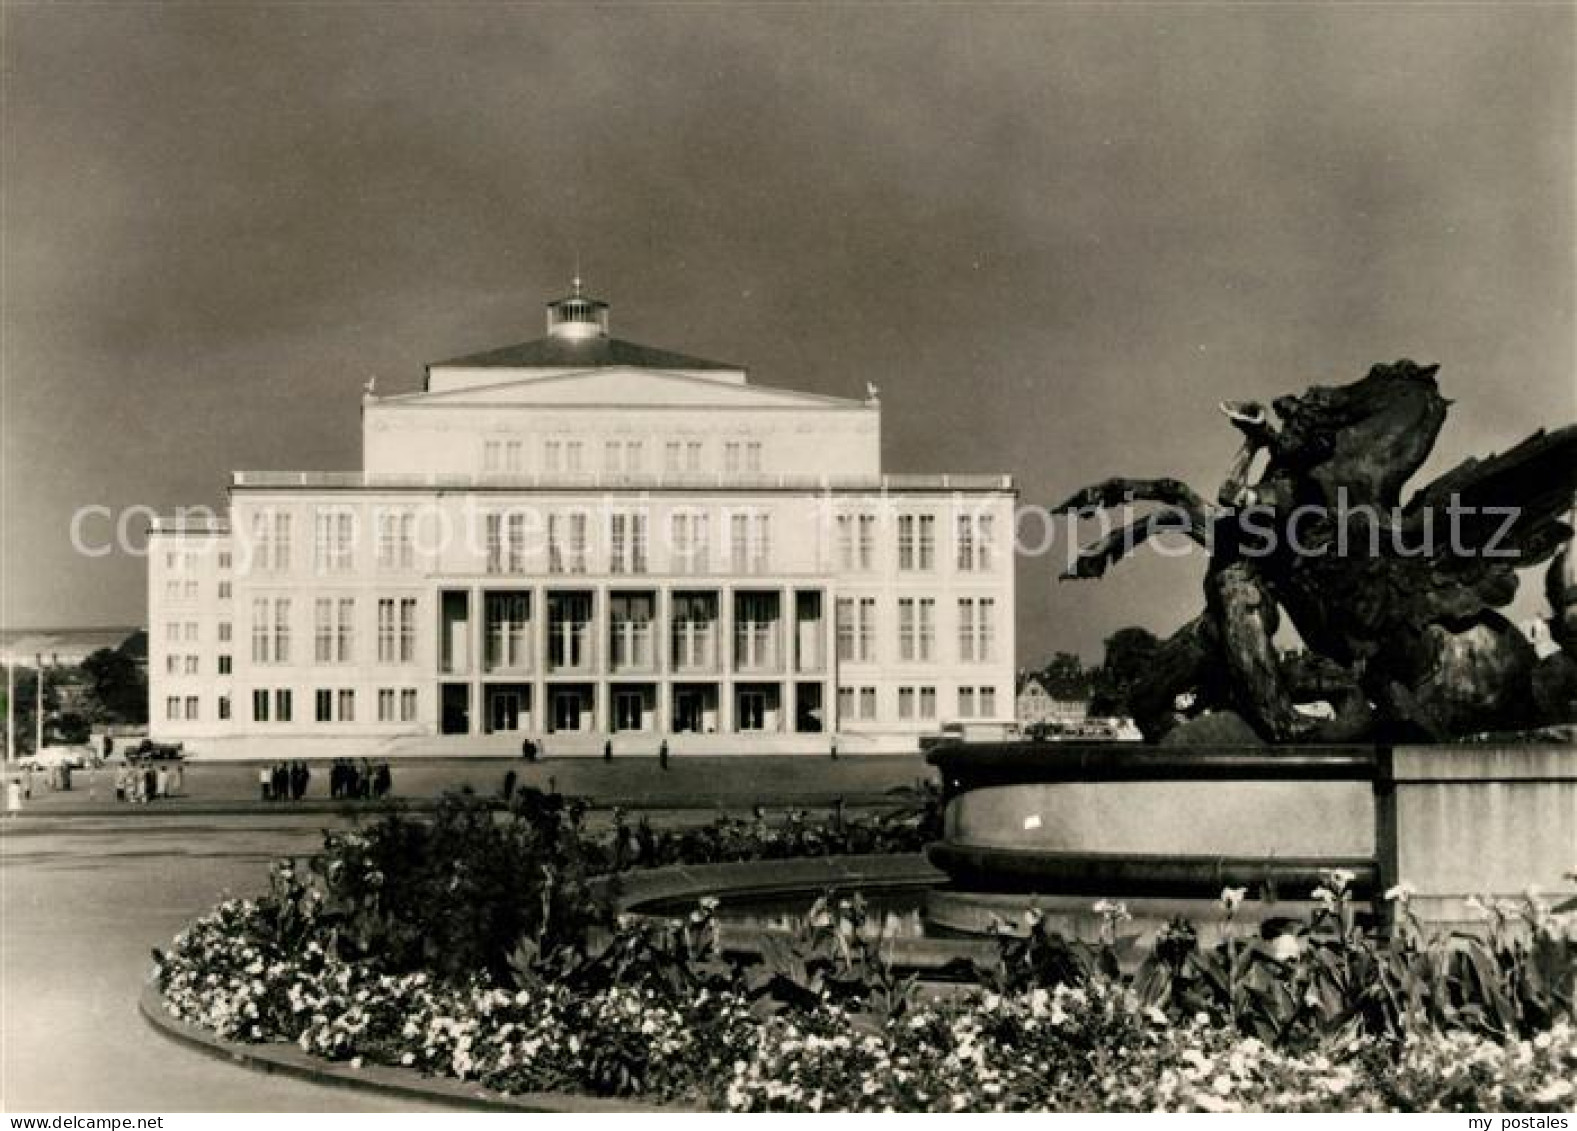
x=142 y=784
x=284 y=781
x=350 y=780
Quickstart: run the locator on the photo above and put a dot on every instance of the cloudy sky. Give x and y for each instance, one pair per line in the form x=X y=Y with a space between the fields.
x=1054 y=235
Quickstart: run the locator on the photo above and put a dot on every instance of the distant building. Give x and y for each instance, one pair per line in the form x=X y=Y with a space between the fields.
x=1037 y=705
x=58 y=647
x=579 y=537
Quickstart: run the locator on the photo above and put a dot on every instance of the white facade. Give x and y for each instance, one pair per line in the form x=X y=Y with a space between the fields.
x=578 y=538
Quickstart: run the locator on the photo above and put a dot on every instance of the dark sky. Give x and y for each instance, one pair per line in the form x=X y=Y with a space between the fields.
x=1054 y=235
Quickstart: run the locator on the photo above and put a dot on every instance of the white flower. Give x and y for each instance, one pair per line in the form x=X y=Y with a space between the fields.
x=1400 y=893
x=1232 y=899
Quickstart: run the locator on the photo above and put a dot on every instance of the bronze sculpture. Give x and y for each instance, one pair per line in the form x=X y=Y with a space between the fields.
x=1396 y=602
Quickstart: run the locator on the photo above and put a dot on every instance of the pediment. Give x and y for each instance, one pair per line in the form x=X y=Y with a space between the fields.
x=621 y=387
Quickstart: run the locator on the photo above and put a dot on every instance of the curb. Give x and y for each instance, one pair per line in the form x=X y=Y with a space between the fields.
x=280 y=1059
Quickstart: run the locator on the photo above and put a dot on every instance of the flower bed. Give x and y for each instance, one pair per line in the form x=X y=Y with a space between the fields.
x=1324 y=1017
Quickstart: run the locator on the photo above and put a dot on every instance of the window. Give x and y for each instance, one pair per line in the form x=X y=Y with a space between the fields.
x=976 y=629
x=567 y=542
x=753 y=457
x=396 y=539
x=191 y=631
x=260 y=706
x=224 y=664
x=335 y=622
x=552 y=455
x=750 y=542
x=224 y=708
x=324 y=705
x=282 y=704
x=506 y=542
x=191 y=708
x=626 y=543
x=223 y=629
x=334 y=538
x=856 y=629
x=988 y=702
x=756 y=630
x=731 y=456
x=408 y=630
x=673 y=455
x=569 y=626
x=916 y=541
x=976 y=551
x=966 y=703
x=386 y=630
x=224 y=563
x=856 y=542
x=490 y=456
x=573 y=456
x=694 y=619
x=172 y=664
x=172 y=708
x=271 y=538
x=190 y=666
x=408 y=705
x=856 y=704
x=271 y=634
x=630 y=626
x=386 y=704
x=347 y=705
x=907 y=630
x=506 y=632
x=692 y=455
x=224 y=590
x=916 y=703
x=500 y=455
x=691 y=541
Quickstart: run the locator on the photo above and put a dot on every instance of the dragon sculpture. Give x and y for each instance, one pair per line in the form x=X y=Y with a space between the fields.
x=1396 y=603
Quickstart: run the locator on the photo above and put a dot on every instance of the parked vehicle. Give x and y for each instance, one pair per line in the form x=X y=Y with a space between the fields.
x=149 y=751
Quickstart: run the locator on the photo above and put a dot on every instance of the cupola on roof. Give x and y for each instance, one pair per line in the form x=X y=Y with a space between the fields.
x=577 y=316
x=578 y=338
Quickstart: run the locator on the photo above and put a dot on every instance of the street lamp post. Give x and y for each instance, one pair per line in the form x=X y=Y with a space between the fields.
x=38 y=710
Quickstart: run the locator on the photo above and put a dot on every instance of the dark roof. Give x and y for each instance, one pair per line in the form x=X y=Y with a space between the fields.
x=587 y=353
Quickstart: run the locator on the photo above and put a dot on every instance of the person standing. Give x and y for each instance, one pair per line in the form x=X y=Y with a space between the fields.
x=607 y=750
x=264 y=783
x=161 y=783
x=662 y=754
x=178 y=779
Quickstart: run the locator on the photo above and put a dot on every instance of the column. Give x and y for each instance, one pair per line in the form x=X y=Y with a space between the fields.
x=725 y=656
x=475 y=641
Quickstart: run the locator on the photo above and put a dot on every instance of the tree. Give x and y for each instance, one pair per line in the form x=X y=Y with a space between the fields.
x=25 y=703
x=1129 y=653
x=117 y=688
x=1065 y=677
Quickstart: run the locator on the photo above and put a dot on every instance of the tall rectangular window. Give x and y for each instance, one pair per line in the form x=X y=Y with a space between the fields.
x=739 y=543
x=552 y=455
x=387 y=634
x=567 y=542
x=975 y=542
x=574 y=457
x=626 y=542
x=396 y=540
x=507 y=627
x=731 y=456
x=334 y=536
x=673 y=456
x=347 y=705
x=760 y=542
x=408 y=630
x=260 y=706
x=753 y=457
x=261 y=635
x=976 y=629
x=906 y=629
x=988 y=702
x=630 y=628
x=692 y=455
x=271 y=531
x=282 y=630
x=385 y=704
x=906 y=541
x=282 y=705
x=506 y=541
x=856 y=629
x=691 y=541
x=407 y=704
